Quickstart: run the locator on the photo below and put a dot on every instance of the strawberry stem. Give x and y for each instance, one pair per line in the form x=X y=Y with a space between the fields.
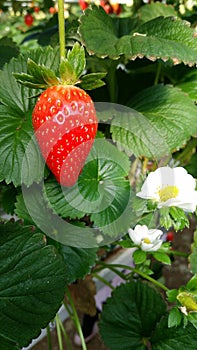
x=61 y=29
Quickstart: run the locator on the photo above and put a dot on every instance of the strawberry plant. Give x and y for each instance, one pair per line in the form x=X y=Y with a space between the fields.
x=98 y=149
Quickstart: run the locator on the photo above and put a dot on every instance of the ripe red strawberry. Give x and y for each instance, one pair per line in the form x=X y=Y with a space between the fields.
x=106 y=6
x=65 y=123
x=83 y=4
x=170 y=236
x=28 y=19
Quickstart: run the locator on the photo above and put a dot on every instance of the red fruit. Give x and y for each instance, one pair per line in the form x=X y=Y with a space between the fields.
x=65 y=123
x=116 y=8
x=36 y=9
x=28 y=19
x=83 y=4
x=52 y=10
x=106 y=6
x=170 y=236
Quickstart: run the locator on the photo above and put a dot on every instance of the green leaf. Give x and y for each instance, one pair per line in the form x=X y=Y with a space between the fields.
x=73 y=65
x=192 y=318
x=21 y=211
x=192 y=284
x=102 y=191
x=164 y=121
x=7 y=344
x=42 y=73
x=66 y=71
x=98 y=32
x=92 y=81
x=109 y=191
x=164 y=338
x=130 y=315
x=153 y=10
x=179 y=217
x=8 y=50
x=162 y=257
x=78 y=261
x=191 y=167
x=48 y=57
x=38 y=76
x=139 y=256
x=193 y=255
x=189 y=84
x=125 y=25
x=8 y=198
x=174 y=318
x=29 y=275
x=166 y=38
x=172 y=294
x=18 y=148
x=76 y=58
x=34 y=208
x=59 y=203
x=126 y=243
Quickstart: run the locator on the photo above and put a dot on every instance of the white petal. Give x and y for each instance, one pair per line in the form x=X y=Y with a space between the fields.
x=135 y=238
x=166 y=176
x=154 y=234
x=141 y=230
x=151 y=247
x=157 y=245
x=187 y=204
x=146 y=247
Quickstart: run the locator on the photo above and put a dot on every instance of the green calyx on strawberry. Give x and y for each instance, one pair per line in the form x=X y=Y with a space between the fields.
x=64 y=117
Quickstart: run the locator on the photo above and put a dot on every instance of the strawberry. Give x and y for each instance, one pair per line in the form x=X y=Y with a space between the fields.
x=116 y=8
x=28 y=19
x=65 y=124
x=83 y=4
x=36 y=9
x=64 y=117
x=106 y=6
x=170 y=236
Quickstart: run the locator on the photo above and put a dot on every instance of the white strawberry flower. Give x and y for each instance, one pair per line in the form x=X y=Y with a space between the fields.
x=147 y=239
x=170 y=187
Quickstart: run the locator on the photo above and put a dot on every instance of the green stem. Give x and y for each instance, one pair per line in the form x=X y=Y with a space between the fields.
x=175 y=252
x=102 y=279
x=68 y=310
x=76 y=320
x=157 y=73
x=66 y=337
x=61 y=23
x=113 y=268
x=112 y=83
x=147 y=277
x=49 y=338
x=140 y=273
x=59 y=335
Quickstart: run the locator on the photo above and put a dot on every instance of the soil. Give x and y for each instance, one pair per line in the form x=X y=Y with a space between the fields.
x=175 y=275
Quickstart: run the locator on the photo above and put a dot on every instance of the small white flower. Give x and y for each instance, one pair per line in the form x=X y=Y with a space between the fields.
x=170 y=187
x=147 y=240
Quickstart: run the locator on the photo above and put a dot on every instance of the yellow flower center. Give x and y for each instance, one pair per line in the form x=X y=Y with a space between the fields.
x=147 y=240
x=168 y=192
